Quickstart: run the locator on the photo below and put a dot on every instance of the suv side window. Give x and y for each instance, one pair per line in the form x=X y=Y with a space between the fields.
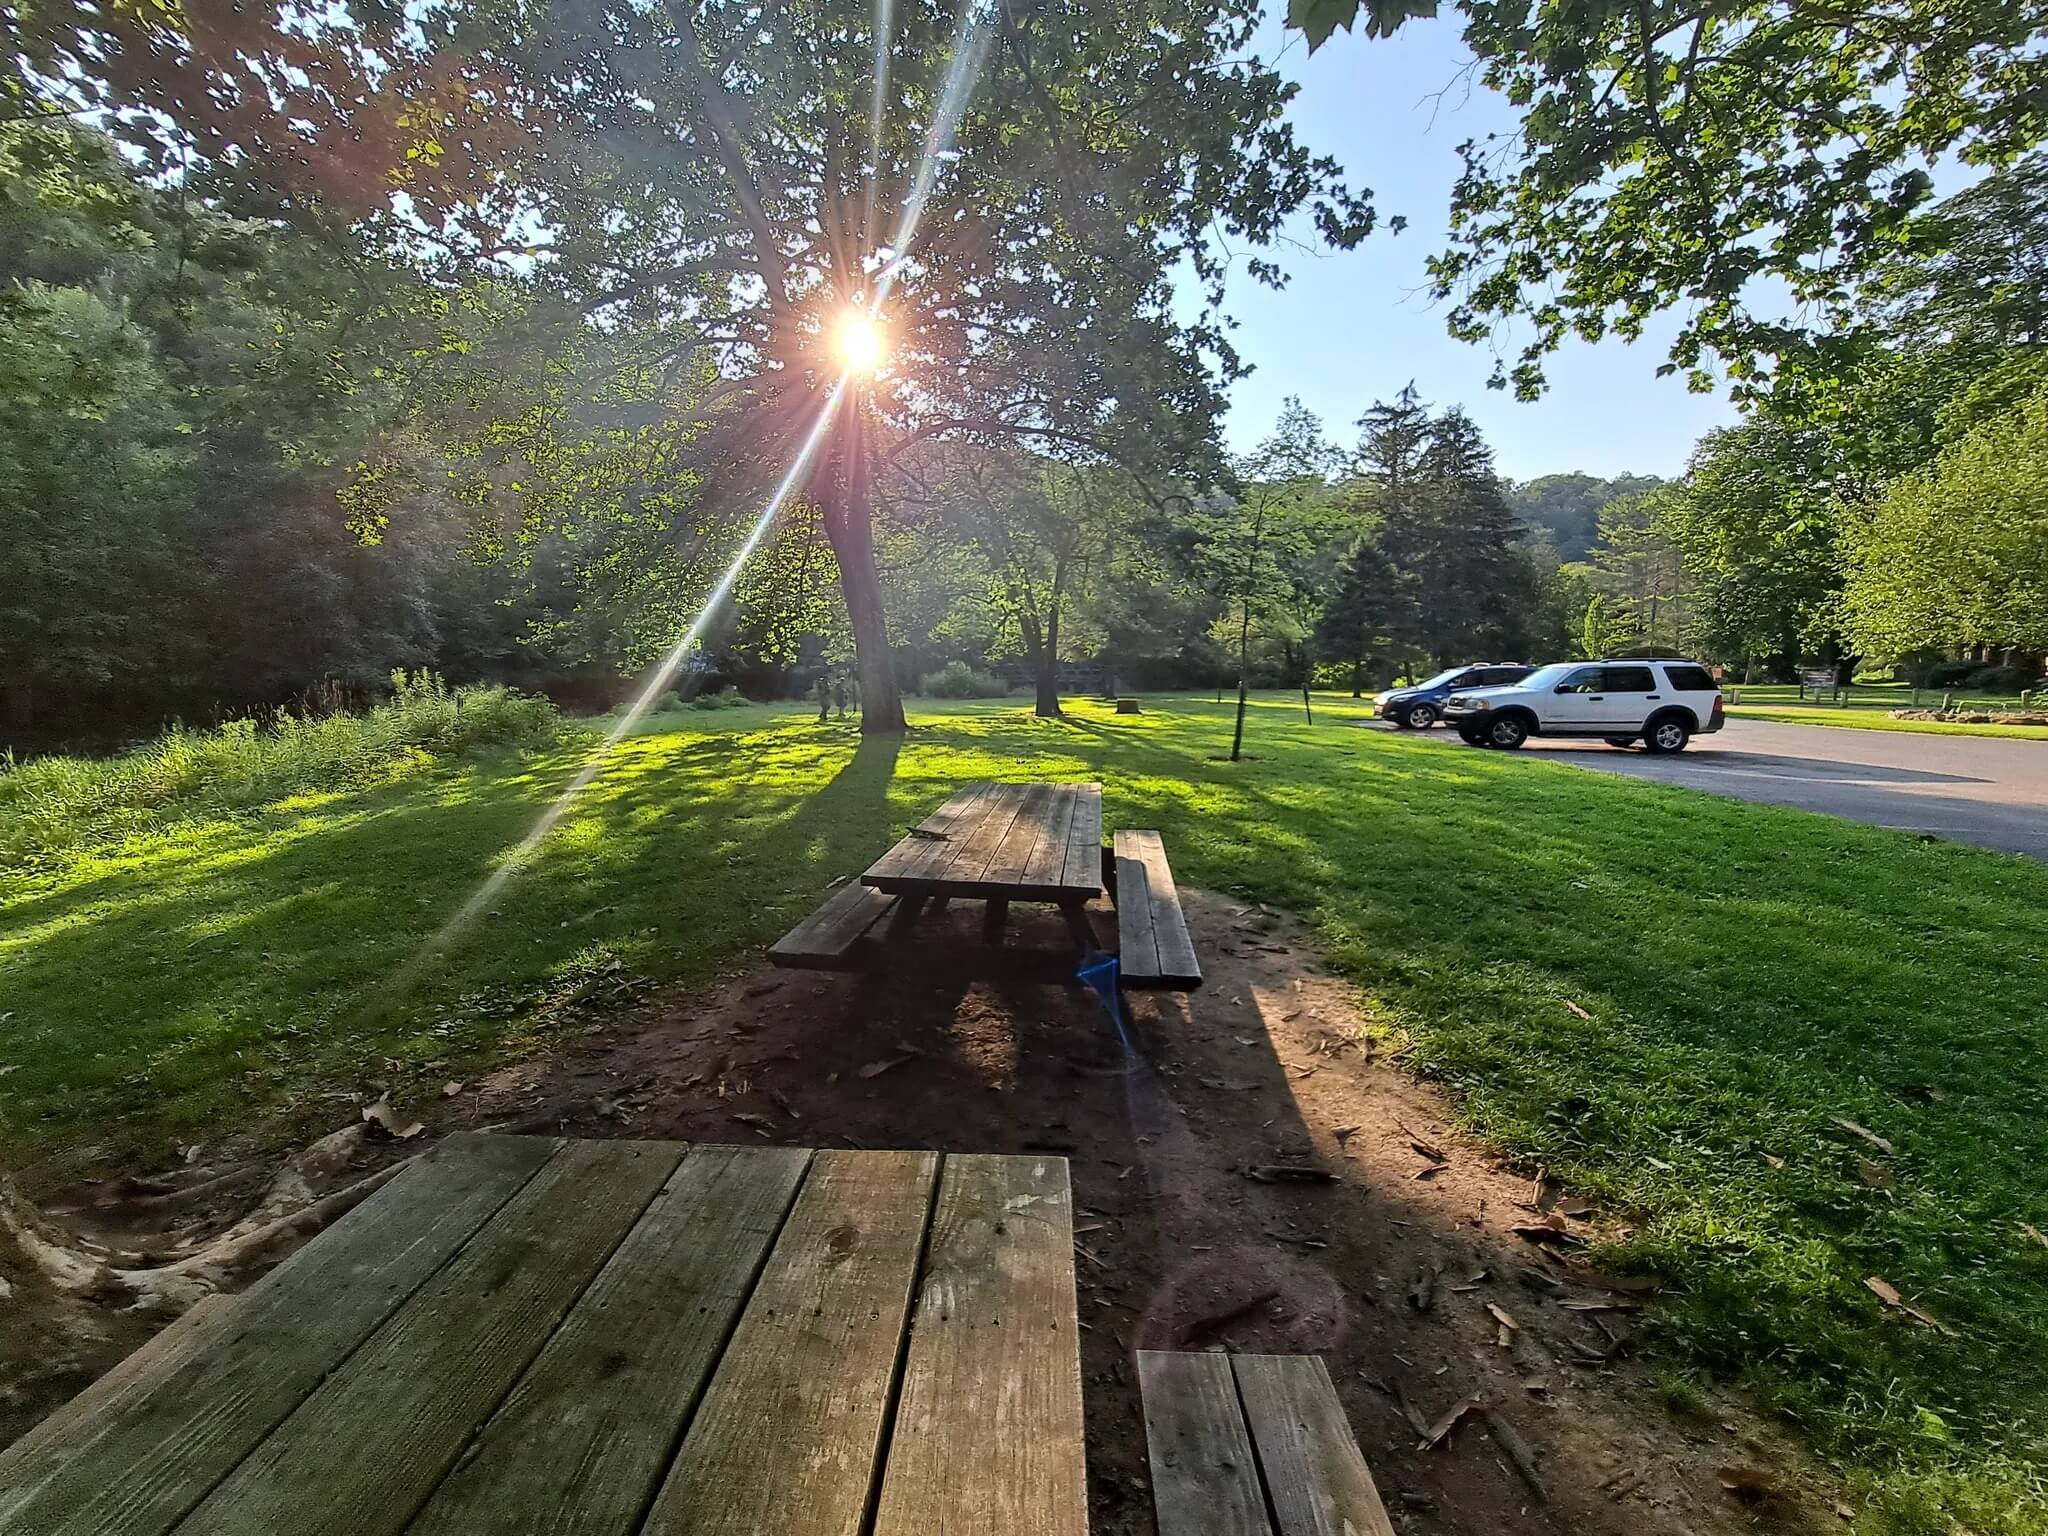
x=1687 y=678
x=1585 y=680
x=1466 y=680
x=1630 y=680
x=1497 y=677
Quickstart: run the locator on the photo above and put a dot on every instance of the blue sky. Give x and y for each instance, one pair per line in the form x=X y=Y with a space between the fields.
x=1356 y=325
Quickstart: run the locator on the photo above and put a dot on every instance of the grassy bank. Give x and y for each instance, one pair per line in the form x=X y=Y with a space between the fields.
x=1868 y=707
x=1748 y=975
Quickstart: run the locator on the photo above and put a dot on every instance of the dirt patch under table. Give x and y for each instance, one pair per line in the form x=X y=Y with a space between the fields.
x=1194 y=1229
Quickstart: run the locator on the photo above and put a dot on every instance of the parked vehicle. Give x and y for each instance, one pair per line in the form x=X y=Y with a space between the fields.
x=1419 y=707
x=1661 y=703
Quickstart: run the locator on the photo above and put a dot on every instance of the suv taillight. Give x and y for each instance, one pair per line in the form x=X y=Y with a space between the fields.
x=1717 y=706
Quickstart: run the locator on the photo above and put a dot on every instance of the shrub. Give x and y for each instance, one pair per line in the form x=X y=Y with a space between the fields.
x=957 y=680
x=2004 y=679
x=726 y=698
x=59 y=802
x=1950 y=674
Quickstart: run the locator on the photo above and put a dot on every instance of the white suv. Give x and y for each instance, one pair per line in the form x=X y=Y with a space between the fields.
x=1663 y=704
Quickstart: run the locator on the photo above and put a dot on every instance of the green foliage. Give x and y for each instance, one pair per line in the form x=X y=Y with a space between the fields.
x=238 y=965
x=53 y=805
x=957 y=680
x=1957 y=553
x=1716 y=159
x=1564 y=510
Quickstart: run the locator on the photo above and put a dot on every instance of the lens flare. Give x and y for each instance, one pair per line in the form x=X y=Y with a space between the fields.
x=859 y=342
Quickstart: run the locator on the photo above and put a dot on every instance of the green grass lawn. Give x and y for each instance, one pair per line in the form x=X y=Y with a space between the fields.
x=1749 y=973
x=1869 y=705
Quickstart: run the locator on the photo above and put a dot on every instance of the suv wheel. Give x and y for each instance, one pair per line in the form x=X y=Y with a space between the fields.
x=1420 y=717
x=1669 y=734
x=1471 y=736
x=1507 y=733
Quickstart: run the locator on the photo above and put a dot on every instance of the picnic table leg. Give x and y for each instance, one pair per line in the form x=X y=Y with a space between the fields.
x=993 y=919
x=904 y=918
x=1076 y=914
x=938 y=905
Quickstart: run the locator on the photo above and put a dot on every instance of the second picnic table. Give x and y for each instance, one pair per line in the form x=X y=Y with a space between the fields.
x=1000 y=844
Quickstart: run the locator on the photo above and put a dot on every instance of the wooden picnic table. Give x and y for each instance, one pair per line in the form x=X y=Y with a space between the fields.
x=1000 y=843
x=524 y=1334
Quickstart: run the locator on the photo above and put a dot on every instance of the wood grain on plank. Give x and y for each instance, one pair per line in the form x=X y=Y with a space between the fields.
x=994 y=814
x=1007 y=860
x=915 y=854
x=988 y=1438
x=1205 y=1481
x=1141 y=865
x=788 y=1434
x=582 y=1443
x=1314 y=1472
x=1082 y=868
x=363 y=1453
x=141 y=1463
x=1137 y=946
x=838 y=924
x=1046 y=866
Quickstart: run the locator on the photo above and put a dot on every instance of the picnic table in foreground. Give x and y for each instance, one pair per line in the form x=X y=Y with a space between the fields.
x=1001 y=844
x=525 y=1334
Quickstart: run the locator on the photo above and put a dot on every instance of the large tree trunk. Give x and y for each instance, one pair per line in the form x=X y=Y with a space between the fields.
x=1358 y=677
x=1042 y=645
x=849 y=524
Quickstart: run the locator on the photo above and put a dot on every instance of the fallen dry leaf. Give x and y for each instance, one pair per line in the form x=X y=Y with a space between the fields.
x=887 y=1063
x=1888 y=1293
x=1876 y=1175
x=1576 y=1208
x=450 y=1090
x=1866 y=1133
x=1576 y=1009
x=1501 y=1316
x=1775 y=1162
x=2035 y=1233
x=1436 y=1433
x=380 y=1117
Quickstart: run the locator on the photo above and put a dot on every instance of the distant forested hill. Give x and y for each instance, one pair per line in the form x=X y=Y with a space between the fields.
x=1565 y=509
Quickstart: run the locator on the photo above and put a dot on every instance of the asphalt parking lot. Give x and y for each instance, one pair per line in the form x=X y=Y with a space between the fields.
x=1971 y=789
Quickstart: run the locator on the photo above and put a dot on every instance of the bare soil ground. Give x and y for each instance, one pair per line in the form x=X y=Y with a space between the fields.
x=1403 y=1267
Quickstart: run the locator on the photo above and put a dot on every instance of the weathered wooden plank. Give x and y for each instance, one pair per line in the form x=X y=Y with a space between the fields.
x=137 y=1467
x=988 y=1438
x=137 y=1374
x=1144 y=880
x=1048 y=861
x=995 y=812
x=1204 y=1480
x=364 y=1452
x=931 y=842
x=1082 y=868
x=1314 y=1474
x=788 y=1434
x=828 y=936
x=1137 y=946
x=580 y=1446
x=1007 y=860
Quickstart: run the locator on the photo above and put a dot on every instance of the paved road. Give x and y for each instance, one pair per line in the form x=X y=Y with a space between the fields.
x=1972 y=789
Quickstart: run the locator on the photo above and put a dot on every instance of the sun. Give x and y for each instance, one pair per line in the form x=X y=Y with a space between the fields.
x=859 y=342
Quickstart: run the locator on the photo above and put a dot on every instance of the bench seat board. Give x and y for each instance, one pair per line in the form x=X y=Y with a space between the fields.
x=1203 y=1476
x=1154 y=946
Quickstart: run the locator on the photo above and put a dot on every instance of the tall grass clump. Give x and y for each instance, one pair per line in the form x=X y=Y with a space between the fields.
x=52 y=803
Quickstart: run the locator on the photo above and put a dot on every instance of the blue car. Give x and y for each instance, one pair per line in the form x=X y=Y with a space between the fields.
x=1419 y=707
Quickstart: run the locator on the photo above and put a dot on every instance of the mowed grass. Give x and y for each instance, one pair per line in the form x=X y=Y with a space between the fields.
x=1749 y=976
x=1868 y=707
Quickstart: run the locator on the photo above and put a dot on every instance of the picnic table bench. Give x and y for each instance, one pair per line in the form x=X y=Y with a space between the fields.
x=998 y=844
x=525 y=1334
